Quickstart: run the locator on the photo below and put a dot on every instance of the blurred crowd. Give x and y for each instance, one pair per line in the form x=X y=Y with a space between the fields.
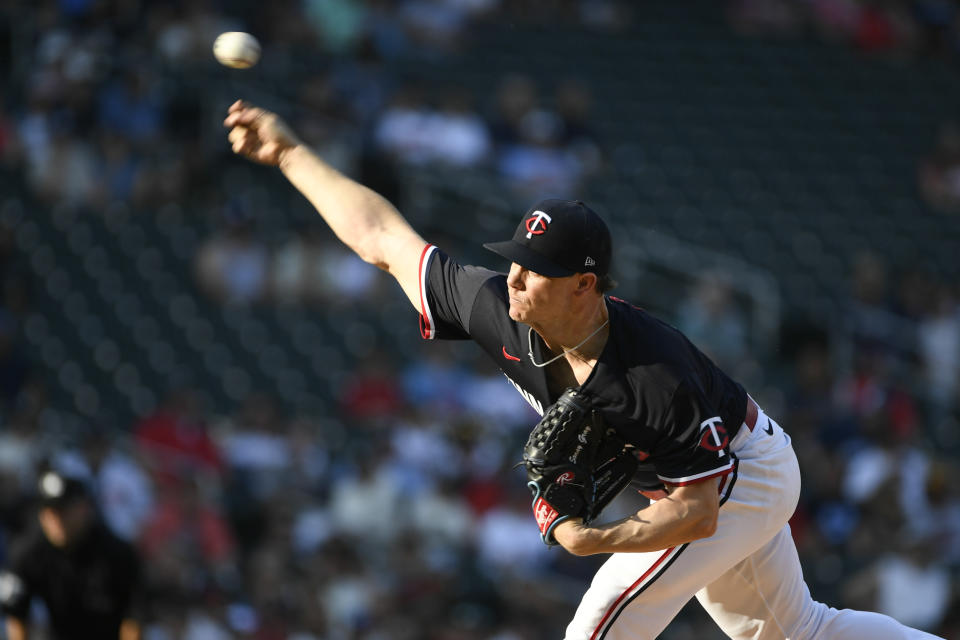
x=89 y=120
x=402 y=515
x=899 y=27
x=396 y=514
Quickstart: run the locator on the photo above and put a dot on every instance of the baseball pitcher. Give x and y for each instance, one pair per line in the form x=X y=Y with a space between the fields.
x=623 y=396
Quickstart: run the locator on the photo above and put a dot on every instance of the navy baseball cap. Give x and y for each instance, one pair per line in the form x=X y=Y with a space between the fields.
x=559 y=238
x=57 y=490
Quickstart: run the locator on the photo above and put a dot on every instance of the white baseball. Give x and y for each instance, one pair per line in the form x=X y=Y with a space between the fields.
x=236 y=49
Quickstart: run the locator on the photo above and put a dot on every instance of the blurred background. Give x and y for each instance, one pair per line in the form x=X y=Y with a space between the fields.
x=252 y=404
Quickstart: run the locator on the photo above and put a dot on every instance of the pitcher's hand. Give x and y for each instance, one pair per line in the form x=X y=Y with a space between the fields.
x=258 y=134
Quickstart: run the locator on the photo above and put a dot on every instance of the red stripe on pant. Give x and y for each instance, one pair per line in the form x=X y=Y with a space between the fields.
x=623 y=595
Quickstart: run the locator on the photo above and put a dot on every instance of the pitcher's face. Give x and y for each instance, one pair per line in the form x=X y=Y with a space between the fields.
x=535 y=298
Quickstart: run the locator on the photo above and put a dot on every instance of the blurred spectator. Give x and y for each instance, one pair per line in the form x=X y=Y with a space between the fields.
x=809 y=404
x=362 y=83
x=188 y=531
x=539 y=165
x=502 y=410
x=611 y=16
x=506 y=543
x=366 y=505
x=174 y=439
x=712 y=321
x=346 y=277
x=935 y=511
x=781 y=17
x=233 y=268
x=435 y=25
x=20 y=452
x=459 y=136
x=935 y=19
x=67 y=172
x=184 y=33
x=297 y=274
x=312 y=269
x=9 y=142
x=423 y=455
x=349 y=598
x=122 y=170
x=882 y=27
x=836 y=20
x=516 y=96
x=254 y=444
x=339 y=23
x=133 y=107
x=122 y=488
x=939 y=342
x=372 y=392
x=310 y=454
x=939 y=173
x=383 y=31
x=871 y=320
x=574 y=106
x=202 y=625
x=439 y=517
x=908 y=585
x=436 y=382
x=401 y=129
x=879 y=405
x=414 y=133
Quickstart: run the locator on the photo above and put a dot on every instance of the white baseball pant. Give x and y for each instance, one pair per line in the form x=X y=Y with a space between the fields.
x=747 y=575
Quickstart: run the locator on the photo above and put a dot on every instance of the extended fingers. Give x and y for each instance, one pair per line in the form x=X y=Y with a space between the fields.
x=242 y=140
x=243 y=114
x=236 y=133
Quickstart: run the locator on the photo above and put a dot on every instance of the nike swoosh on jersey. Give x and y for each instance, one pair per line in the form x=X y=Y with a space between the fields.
x=508 y=356
x=769 y=429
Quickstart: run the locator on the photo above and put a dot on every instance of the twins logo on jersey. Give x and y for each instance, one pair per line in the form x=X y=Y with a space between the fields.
x=713 y=435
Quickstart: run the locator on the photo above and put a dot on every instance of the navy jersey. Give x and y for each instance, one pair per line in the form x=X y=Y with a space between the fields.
x=88 y=589
x=658 y=391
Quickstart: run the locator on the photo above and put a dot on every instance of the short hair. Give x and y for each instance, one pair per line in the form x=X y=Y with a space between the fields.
x=605 y=283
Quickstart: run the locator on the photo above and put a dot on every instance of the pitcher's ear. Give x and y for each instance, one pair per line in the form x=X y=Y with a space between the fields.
x=587 y=281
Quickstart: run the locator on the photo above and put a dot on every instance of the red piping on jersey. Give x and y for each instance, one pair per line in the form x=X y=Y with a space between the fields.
x=508 y=356
x=425 y=327
x=616 y=602
x=753 y=412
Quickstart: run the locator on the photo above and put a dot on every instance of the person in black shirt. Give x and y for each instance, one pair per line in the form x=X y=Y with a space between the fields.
x=86 y=576
x=726 y=477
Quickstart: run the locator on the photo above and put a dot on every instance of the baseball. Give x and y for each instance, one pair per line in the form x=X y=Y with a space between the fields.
x=236 y=49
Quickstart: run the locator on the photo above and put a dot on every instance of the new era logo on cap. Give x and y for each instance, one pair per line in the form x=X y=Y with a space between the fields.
x=558 y=238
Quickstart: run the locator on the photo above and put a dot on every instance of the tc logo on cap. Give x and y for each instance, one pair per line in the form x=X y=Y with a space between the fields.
x=537 y=223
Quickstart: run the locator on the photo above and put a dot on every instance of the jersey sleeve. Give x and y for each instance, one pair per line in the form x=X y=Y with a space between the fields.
x=15 y=592
x=131 y=597
x=448 y=291
x=696 y=444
